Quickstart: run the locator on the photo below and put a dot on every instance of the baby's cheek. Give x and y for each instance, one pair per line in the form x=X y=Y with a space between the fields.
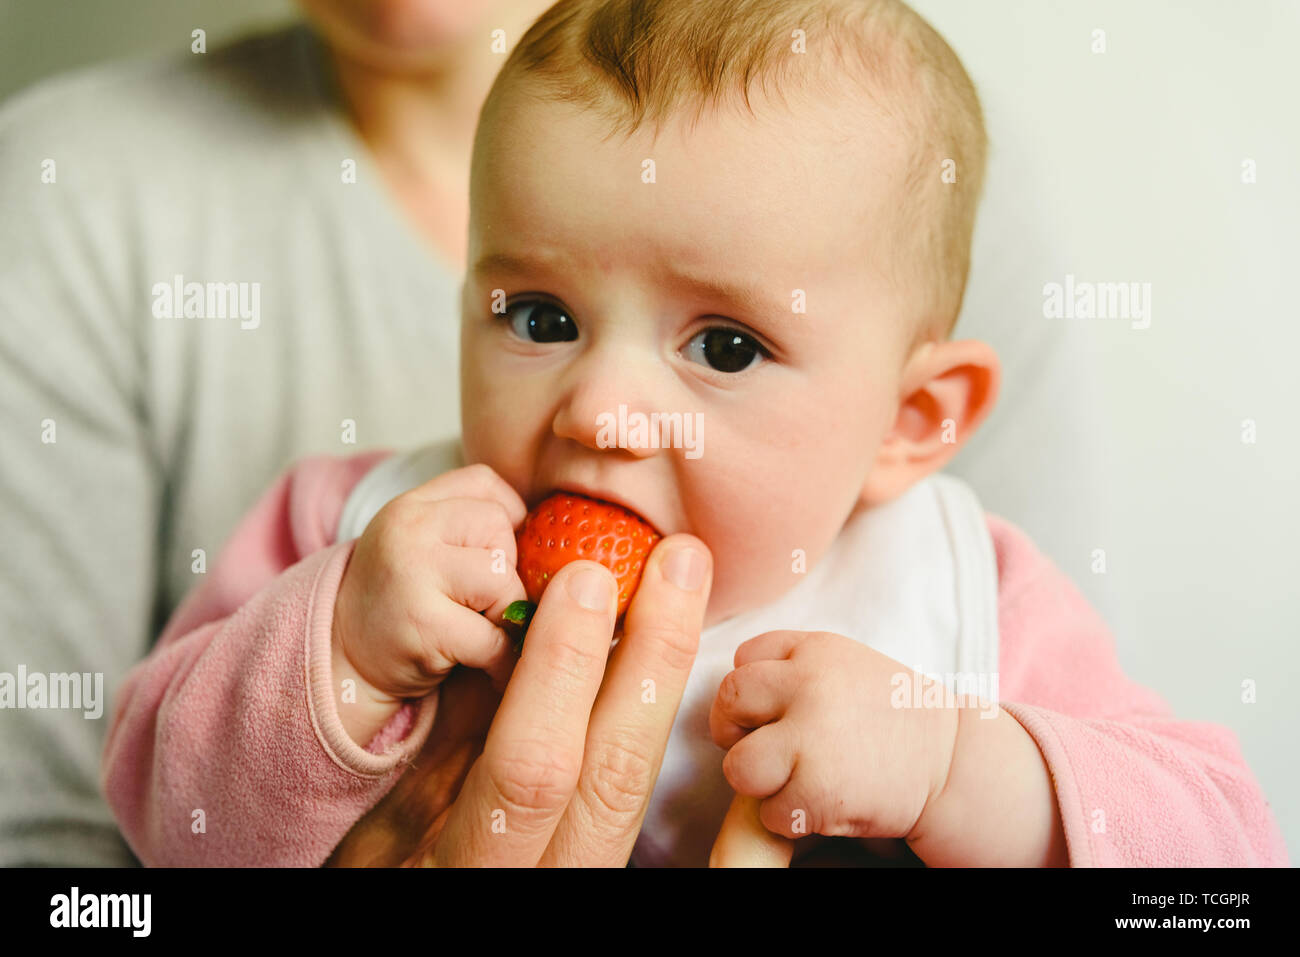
x=754 y=570
x=480 y=446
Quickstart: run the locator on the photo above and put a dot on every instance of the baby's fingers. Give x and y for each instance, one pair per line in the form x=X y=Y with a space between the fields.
x=472 y=640
x=762 y=762
x=763 y=765
x=479 y=579
x=474 y=523
x=749 y=697
x=474 y=482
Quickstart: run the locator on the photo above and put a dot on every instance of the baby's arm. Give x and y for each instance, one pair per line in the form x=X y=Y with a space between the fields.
x=1133 y=786
x=233 y=714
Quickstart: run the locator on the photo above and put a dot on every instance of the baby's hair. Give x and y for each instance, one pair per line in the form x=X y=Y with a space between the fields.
x=638 y=61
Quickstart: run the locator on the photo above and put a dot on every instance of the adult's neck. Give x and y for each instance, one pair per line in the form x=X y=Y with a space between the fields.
x=420 y=119
x=419 y=124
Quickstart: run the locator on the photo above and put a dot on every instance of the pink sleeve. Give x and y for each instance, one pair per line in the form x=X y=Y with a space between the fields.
x=1136 y=786
x=232 y=712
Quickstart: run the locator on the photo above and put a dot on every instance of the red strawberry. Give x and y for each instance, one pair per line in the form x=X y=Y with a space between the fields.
x=567 y=527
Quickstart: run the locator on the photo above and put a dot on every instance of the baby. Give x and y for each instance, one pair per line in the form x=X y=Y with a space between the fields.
x=755 y=217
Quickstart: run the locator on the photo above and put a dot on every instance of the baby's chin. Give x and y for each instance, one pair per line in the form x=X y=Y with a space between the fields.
x=715 y=614
x=727 y=601
x=723 y=608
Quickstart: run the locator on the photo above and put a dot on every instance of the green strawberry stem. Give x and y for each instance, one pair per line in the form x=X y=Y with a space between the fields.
x=519 y=614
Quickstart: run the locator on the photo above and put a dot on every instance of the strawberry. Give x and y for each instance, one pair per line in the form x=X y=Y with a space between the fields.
x=567 y=527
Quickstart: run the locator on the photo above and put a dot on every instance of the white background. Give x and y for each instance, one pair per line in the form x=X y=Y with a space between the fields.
x=1126 y=166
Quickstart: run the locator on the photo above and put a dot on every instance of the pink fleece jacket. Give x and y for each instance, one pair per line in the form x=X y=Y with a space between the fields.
x=232 y=714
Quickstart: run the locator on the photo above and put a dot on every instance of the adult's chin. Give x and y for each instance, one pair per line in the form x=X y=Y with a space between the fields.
x=394 y=35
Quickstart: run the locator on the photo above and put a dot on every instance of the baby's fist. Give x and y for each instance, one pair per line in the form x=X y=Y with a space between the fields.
x=426 y=581
x=811 y=727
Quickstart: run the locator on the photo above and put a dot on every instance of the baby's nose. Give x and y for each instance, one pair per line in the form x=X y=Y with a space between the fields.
x=603 y=394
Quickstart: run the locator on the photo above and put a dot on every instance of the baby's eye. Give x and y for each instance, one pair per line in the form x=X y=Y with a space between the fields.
x=725 y=349
x=538 y=320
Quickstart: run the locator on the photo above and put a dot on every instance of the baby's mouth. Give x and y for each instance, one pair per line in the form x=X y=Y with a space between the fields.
x=599 y=496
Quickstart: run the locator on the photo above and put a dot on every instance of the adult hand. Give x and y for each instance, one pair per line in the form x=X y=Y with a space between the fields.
x=561 y=773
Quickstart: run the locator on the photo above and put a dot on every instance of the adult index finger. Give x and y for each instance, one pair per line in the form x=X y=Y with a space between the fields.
x=629 y=727
x=518 y=790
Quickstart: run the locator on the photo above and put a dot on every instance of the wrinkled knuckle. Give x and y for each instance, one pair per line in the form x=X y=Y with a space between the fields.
x=821 y=793
x=620 y=780
x=729 y=691
x=440 y=557
x=573 y=661
x=535 y=778
x=428 y=662
x=809 y=646
x=669 y=643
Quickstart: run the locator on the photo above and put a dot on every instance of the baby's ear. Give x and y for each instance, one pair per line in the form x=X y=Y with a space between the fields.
x=947 y=389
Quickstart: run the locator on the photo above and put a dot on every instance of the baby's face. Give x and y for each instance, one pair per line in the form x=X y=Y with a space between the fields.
x=741 y=289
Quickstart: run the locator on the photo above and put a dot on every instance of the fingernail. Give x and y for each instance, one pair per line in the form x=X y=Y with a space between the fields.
x=685 y=568
x=591 y=589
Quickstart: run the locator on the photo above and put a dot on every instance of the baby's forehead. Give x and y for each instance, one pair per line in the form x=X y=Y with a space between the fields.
x=839 y=109
x=843 y=143
x=790 y=200
x=821 y=153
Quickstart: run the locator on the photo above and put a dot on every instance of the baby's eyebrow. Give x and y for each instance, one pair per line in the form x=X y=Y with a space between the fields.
x=508 y=262
x=744 y=298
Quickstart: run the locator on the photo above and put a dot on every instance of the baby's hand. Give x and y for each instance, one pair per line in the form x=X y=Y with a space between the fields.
x=810 y=726
x=408 y=607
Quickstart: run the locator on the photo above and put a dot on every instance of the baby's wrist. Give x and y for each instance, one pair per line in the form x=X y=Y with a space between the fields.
x=944 y=803
x=998 y=807
x=363 y=709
